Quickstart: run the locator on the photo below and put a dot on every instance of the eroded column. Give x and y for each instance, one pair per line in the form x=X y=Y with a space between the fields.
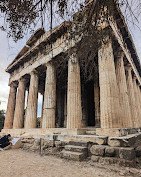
x=49 y=98
x=109 y=94
x=42 y=112
x=31 y=113
x=74 y=114
x=97 y=103
x=131 y=95
x=65 y=109
x=8 y=124
x=20 y=102
x=123 y=95
x=139 y=95
x=137 y=103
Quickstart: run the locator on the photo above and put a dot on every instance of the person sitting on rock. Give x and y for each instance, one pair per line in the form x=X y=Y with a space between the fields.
x=5 y=141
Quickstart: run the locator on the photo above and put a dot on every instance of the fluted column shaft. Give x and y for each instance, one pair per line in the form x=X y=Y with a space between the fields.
x=8 y=124
x=31 y=113
x=65 y=109
x=97 y=104
x=20 y=102
x=139 y=94
x=49 y=98
x=137 y=103
x=42 y=112
x=74 y=114
x=109 y=95
x=131 y=94
x=123 y=95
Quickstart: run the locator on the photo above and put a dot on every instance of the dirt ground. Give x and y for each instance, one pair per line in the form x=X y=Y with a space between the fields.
x=19 y=163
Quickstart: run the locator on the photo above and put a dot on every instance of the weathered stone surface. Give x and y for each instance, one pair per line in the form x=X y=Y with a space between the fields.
x=48 y=143
x=49 y=98
x=76 y=148
x=125 y=118
x=78 y=156
x=31 y=113
x=78 y=143
x=90 y=132
x=109 y=95
x=95 y=158
x=127 y=153
x=52 y=151
x=116 y=132
x=121 y=162
x=98 y=150
x=126 y=141
x=101 y=140
x=109 y=152
x=8 y=124
x=27 y=141
x=74 y=93
x=132 y=100
x=37 y=142
x=20 y=102
x=113 y=160
x=138 y=151
x=58 y=144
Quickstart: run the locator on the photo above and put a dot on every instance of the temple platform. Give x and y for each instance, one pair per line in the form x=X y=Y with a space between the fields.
x=39 y=132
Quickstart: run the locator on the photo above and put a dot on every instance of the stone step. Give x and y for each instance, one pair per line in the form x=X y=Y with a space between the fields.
x=89 y=132
x=77 y=156
x=79 y=143
x=76 y=148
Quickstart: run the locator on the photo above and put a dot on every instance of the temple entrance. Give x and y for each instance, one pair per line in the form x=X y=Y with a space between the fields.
x=90 y=107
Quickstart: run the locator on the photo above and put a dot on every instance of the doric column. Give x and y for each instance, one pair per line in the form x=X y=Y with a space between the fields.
x=74 y=114
x=31 y=113
x=42 y=112
x=83 y=105
x=49 y=98
x=137 y=103
x=65 y=109
x=26 y=108
x=139 y=95
x=131 y=94
x=10 y=107
x=123 y=95
x=109 y=94
x=20 y=102
x=97 y=103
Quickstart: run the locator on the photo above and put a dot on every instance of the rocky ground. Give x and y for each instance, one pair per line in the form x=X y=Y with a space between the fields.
x=15 y=163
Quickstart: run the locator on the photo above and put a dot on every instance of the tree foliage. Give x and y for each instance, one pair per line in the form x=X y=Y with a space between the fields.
x=21 y=16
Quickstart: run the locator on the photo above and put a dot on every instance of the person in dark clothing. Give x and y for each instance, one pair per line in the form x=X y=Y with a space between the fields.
x=5 y=141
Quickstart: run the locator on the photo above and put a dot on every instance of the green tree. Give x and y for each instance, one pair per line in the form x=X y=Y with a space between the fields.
x=2 y=117
x=21 y=16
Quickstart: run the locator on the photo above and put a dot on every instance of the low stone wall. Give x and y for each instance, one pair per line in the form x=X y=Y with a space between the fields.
x=125 y=151
x=43 y=146
x=105 y=151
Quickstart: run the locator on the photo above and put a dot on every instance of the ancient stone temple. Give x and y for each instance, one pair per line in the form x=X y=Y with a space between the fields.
x=52 y=64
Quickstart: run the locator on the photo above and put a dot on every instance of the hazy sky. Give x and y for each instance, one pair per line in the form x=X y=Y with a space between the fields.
x=9 y=49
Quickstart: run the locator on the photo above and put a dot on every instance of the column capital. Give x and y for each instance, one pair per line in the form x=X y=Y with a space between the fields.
x=119 y=54
x=128 y=67
x=22 y=80
x=33 y=72
x=134 y=77
x=13 y=84
x=48 y=64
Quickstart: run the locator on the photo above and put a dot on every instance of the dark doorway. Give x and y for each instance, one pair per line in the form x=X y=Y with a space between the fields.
x=89 y=90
